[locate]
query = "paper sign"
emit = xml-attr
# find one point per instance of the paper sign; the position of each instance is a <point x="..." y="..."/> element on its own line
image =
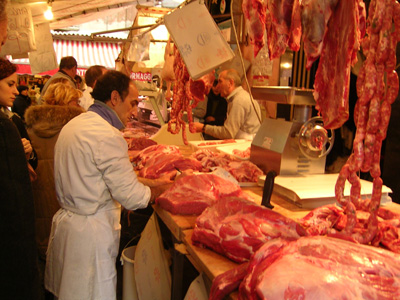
<point x="152" y="274"/>
<point x="44" y="58"/>
<point x="20" y="33"/>
<point x="198" y="38"/>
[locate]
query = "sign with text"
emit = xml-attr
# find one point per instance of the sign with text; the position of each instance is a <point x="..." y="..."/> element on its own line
<point x="44" y="58"/>
<point x="20" y="32"/>
<point x="198" y="38"/>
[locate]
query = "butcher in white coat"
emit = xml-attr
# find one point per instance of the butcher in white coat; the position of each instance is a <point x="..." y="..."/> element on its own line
<point x="93" y="177"/>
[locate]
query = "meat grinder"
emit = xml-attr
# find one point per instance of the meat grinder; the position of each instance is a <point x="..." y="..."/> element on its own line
<point x="297" y="146"/>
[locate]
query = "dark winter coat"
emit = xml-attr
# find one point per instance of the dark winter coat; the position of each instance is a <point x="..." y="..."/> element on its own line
<point x="19" y="275"/>
<point x="44" y="123"/>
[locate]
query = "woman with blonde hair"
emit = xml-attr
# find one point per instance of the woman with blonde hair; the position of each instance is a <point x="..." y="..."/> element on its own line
<point x="62" y="94"/>
<point x="44" y="123"/>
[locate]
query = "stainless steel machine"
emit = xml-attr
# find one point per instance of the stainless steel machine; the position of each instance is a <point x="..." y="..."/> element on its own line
<point x="297" y="146"/>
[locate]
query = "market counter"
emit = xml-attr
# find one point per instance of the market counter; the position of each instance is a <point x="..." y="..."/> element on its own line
<point x="205" y="260"/>
<point x="209" y="262"/>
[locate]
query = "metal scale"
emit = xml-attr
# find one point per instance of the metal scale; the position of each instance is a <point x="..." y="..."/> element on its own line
<point x="297" y="146"/>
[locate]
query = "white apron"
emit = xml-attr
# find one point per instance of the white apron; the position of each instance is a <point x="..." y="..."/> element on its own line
<point x="82" y="252"/>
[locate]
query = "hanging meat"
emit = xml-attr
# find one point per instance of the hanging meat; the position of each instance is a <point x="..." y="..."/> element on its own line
<point x="280" y="18"/>
<point x="187" y="93"/>
<point x="339" y="52"/>
<point x="315" y="15"/>
<point x="377" y="89"/>
<point x="167" y="72"/>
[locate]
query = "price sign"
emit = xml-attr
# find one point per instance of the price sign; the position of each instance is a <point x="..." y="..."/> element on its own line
<point x="20" y="38"/>
<point x="198" y="38"/>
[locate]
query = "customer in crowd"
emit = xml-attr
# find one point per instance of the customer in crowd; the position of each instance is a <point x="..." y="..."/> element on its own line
<point x="93" y="177"/>
<point x="216" y="107"/>
<point x="22" y="101"/>
<point x="19" y="274"/>
<point x="91" y="76"/>
<point x="243" y="115"/>
<point x="62" y="94"/>
<point x="25" y="139"/>
<point x="44" y="123"/>
<point x="67" y="69"/>
<point x="79" y="82"/>
<point x="39" y="84"/>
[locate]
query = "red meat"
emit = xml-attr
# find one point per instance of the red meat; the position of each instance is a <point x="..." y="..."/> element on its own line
<point x="236" y="228"/>
<point x="194" y="193"/>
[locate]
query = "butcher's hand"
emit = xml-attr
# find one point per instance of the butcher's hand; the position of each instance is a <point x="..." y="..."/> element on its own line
<point x="27" y="147"/>
<point x="198" y="126"/>
<point x="156" y="191"/>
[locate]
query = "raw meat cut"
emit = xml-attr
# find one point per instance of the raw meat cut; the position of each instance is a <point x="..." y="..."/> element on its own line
<point x="236" y="228"/>
<point x="139" y="143"/>
<point x="315" y="15"/>
<point x="151" y="153"/>
<point x="321" y="268"/>
<point x="243" y="171"/>
<point x="255" y="12"/>
<point x="331" y="220"/>
<point x="191" y="194"/>
<point x="163" y="162"/>
<point x="331" y="86"/>
<point x="315" y="268"/>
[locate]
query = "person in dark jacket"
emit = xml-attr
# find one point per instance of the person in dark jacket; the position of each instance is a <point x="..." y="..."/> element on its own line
<point x="19" y="273"/>
<point x="21" y="102"/>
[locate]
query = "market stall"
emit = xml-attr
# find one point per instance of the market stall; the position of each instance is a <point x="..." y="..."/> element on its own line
<point x="292" y="152"/>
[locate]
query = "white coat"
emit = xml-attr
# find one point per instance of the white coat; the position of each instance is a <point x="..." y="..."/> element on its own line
<point x="93" y="176"/>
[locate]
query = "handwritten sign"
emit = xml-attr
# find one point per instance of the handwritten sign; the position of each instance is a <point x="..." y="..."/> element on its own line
<point x="198" y="38"/>
<point x="44" y="58"/>
<point x="21" y="38"/>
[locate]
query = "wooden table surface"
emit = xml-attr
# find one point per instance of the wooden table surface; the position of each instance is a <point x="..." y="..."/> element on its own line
<point x="210" y="262"/>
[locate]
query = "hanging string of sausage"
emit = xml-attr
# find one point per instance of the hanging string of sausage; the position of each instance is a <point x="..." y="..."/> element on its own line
<point x="377" y="88"/>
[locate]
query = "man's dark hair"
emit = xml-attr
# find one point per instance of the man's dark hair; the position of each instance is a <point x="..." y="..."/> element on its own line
<point x="111" y="81"/>
<point x="68" y="62"/>
<point x="93" y="73"/>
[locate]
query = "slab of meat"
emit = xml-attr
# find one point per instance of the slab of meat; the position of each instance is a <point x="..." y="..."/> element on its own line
<point x="162" y="161"/>
<point x="331" y="220"/>
<point x="236" y="228"/>
<point x="243" y="171"/>
<point x="139" y="143"/>
<point x="315" y="15"/>
<point x="192" y="194"/>
<point x="255" y="12"/>
<point x="333" y="75"/>
<point x="317" y="268"/>
<point x="142" y="158"/>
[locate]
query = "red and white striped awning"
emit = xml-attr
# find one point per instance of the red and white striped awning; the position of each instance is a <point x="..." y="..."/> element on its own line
<point x="86" y="53"/>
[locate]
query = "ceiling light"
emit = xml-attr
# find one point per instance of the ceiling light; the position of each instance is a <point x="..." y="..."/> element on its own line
<point x="48" y="14"/>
